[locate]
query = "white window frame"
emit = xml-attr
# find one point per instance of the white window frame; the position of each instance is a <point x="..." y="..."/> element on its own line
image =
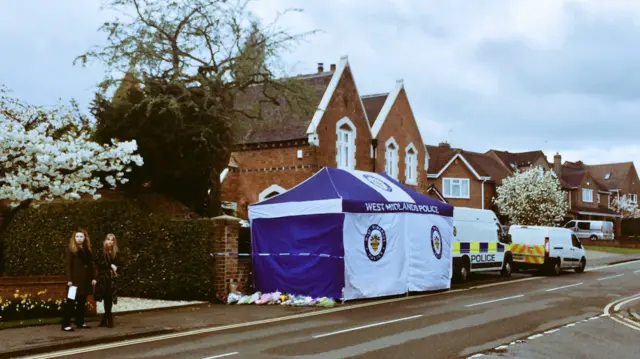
<point x="391" y="158"/>
<point x="348" y="160"/>
<point x="426" y="160"/>
<point x="598" y="197"/>
<point x="448" y="182"/>
<point x="273" y="188"/>
<point x="411" y="165"/>
<point x="633" y="198"/>
<point x="587" y="198"/>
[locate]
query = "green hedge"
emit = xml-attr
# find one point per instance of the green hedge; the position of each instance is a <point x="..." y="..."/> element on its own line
<point x="163" y="258"/>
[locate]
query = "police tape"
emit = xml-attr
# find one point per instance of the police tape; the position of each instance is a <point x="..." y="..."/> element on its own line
<point x="235" y="254"/>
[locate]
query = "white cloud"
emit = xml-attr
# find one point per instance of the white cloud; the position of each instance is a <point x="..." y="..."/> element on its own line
<point x="530" y="74"/>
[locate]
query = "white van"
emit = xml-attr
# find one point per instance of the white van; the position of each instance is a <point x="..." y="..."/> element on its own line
<point x="479" y="244"/>
<point x="548" y="248"/>
<point x="593" y="230"/>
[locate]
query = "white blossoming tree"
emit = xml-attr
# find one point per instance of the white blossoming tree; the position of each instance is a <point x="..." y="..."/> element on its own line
<point x="626" y="207"/>
<point x="532" y="198"/>
<point x="47" y="153"/>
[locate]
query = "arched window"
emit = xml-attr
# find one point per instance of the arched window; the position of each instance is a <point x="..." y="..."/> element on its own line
<point x="411" y="165"/>
<point x="346" y="144"/>
<point x="271" y="191"/>
<point x="391" y="158"/>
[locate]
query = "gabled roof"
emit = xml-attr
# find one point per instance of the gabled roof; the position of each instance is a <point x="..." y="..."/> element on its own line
<point x="518" y="159"/>
<point x="285" y="122"/>
<point x="573" y="174"/>
<point x="617" y="174"/>
<point x="481" y="165"/>
<point x="373" y="104"/>
<point x="386" y="108"/>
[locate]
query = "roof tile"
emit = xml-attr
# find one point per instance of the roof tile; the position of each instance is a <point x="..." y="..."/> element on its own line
<point x="281" y="122"/>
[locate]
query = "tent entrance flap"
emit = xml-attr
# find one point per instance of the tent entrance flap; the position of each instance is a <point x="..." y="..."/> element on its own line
<point x="299" y="255"/>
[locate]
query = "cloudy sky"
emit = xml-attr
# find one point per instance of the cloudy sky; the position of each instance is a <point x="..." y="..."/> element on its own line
<point x="557" y="75"/>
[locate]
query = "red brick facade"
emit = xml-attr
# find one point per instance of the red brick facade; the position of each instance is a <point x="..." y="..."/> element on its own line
<point x="260" y="167"/>
<point x="402" y="126"/>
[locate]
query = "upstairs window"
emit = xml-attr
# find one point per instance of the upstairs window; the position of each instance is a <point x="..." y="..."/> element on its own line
<point x="391" y="158"/>
<point x="455" y="187"/>
<point x="587" y="195"/>
<point x="346" y="144"/>
<point x="411" y="165"/>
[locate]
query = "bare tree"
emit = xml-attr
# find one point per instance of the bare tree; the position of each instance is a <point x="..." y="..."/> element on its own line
<point x="214" y="46"/>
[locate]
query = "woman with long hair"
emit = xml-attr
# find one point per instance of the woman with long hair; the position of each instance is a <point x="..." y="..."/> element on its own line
<point x="107" y="263"/>
<point x="79" y="275"/>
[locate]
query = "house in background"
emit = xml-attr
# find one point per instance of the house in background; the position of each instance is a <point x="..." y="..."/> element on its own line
<point x="620" y="179"/>
<point x="370" y="133"/>
<point x="592" y="188"/>
<point x="464" y="178"/>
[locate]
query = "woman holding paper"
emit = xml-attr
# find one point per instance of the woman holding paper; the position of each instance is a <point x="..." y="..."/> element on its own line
<point x="80" y="277"/>
<point x="107" y="264"/>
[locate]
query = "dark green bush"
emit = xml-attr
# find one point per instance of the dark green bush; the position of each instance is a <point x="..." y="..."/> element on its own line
<point x="163" y="258"/>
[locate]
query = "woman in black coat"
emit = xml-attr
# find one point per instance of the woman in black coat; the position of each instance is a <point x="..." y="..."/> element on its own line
<point x="107" y="264"/>
<point x="80" y="274"/>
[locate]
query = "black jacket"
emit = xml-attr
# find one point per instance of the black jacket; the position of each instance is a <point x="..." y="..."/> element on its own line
<point x="80" y="270"/>
<point x="107" y="280"/>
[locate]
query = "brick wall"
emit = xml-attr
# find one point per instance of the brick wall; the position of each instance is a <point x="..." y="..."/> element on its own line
<point x="260" y="168"/>
<point x="592" y="185"/>
<point x="225" y="267"/>
<point x="344" y="103"/>
<point x="56" y="287"/>
<point x="278" y="164"/>
<point x="459" y="170"/>
<point x="401" y="125"/>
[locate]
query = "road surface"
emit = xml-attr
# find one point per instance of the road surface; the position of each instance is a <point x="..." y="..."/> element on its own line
<point x="455" y="324"/>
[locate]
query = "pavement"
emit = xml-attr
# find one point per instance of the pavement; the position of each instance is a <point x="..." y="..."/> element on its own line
<point x="468" y="320"/>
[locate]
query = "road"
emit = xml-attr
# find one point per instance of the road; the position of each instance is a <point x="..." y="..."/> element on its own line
<point x="471" y="321"/>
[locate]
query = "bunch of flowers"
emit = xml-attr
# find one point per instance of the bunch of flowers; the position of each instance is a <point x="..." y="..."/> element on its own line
<point x="22" y="306"/>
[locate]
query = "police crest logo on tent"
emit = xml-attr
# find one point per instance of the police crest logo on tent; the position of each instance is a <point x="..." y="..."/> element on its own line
<point x="378" y="183"/>
<point x="436" y="242"/>
<point x="375" y="242"/>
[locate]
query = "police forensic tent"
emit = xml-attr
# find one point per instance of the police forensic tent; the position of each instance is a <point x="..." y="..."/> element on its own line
<point x="351" y="234"/>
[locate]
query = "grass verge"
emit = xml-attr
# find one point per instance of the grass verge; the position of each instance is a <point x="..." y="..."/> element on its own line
<point x="614" y="249"/>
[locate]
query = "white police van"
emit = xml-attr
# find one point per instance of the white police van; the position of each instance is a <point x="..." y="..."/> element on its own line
<point x="480" y="243"/>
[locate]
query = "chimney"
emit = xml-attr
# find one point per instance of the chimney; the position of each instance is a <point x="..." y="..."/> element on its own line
<point x="444" y="145"/>
<point x="333" y="67"/>
<point x="320" y="67"/>
<point x="557" y="164"/>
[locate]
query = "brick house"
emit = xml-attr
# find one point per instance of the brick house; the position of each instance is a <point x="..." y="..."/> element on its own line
<point x="397" y="147"/>
<point x="464" y="178"/>
<point x="620" y="179"/>
<point x="592" y="188"/>
<point x="372" y="133"/>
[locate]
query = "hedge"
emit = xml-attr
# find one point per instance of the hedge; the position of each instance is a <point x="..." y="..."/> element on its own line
<point x="163" y="258"/>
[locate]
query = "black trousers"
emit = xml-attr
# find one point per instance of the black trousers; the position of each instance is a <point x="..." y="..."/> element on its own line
<point x="108" y="303"/>
<point x="76" y="307"/>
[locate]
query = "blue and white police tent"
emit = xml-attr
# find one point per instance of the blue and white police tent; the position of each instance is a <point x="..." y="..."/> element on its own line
<point x="351" y="234"/>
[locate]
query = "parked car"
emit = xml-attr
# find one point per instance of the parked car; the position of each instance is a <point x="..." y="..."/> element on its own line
<point x="593" y="230"/>
<point x="479" y="244"/>
<point x="547" y="248"/>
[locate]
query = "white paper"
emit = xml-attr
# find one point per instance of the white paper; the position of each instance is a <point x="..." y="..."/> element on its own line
<point x="72" y="292"/>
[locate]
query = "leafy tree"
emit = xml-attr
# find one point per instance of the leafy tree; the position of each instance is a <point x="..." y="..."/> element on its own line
<point x="532" y="198"/>
<point x="191" y="60"/>
<point x="626" y="207"/>
<point x="46" y="153"/>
